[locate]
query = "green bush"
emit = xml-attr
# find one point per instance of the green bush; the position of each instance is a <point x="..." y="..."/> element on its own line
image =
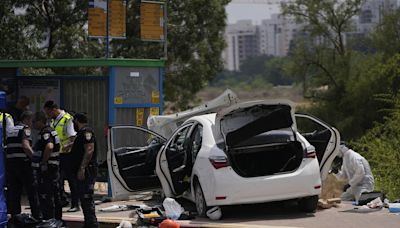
<point x="381" y="147"/>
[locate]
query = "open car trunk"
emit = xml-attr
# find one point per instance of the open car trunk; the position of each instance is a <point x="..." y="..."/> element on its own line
<point x="266" y="154"/>
<point x="253" y="142"/>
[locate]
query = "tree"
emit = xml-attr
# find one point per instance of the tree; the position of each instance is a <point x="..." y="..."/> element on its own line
<point x="195" y="43"/>
<point x="386" y="37"/>
<point x="13" y="43"/>
<point x="326" y="22"/>
<point x="56" y="28"/>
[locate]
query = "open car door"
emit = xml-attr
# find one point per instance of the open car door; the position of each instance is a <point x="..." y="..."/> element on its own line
<point x="131" y="159"/>
<point x="175" y="162"/>
<point x="323" y="137"/>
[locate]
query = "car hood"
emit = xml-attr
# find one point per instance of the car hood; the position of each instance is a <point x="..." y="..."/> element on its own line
<point x="245" y="120"/>
<point x="165" y="125"/>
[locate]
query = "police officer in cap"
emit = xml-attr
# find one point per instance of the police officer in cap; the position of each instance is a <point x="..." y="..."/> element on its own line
<point x="46" y="164"/>
<point x="18" y="162"/>
<point x="84" y="166"/>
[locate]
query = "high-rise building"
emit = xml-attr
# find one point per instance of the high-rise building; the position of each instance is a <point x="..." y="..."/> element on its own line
<point x="372" y="12"/>
<point x="246" y="40"/>
<point x="241" y="40"/>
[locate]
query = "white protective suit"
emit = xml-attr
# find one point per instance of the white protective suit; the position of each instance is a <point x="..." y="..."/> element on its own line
<point x="356" y="170"/>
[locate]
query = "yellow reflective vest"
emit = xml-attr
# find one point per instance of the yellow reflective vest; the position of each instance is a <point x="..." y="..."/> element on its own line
<point x="61" y="129"/>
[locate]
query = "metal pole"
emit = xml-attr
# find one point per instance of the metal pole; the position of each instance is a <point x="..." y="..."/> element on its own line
<point x="165" y="31"/>
<point x="107" y="36"/>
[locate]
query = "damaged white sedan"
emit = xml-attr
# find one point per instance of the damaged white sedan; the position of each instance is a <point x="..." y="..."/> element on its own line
<point x="246" y="153"/>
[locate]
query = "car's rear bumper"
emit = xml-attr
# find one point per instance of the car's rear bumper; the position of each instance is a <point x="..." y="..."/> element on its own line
<point x="230" y="188"/>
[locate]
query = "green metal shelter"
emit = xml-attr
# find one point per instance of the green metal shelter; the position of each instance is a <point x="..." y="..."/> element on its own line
<point x="123" y="91"/>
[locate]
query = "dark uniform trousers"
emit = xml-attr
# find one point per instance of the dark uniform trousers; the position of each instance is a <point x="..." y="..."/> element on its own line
<point x="86" y="190"/>
<point x="19" y="177"/>
<point x="49" y="193"/>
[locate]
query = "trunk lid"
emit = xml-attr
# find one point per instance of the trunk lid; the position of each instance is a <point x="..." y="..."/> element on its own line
<point x="245" y="120"/>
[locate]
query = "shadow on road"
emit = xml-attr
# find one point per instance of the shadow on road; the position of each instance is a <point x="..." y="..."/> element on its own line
<point x="255" y="212"/>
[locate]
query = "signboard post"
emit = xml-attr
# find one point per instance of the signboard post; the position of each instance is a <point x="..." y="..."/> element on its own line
<point x="107" y="19"/>
<point x="152" y="21"/>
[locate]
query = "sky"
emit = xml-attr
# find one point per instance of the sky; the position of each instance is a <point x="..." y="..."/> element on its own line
<point x="255" y="12"/>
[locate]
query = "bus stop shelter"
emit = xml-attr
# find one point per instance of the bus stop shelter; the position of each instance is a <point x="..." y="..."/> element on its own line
<point x="121" y="91"/>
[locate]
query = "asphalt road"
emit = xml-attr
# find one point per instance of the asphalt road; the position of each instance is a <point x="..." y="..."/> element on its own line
<point x="277" y="214"/>
<point x="286" y="214"/>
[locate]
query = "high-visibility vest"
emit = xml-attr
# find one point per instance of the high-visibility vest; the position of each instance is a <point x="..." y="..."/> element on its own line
<point x="5" y="127"/>
<point x="1" y="117"/>
<point x="61" y="129"/>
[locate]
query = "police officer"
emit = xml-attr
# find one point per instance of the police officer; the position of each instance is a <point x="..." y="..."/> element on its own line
<point x="62" y="123"/>
<point x="46" y="164"/>
<point x="18" y="162"/>
<point x="8" y="122"/>
<point x="84" y="166"/>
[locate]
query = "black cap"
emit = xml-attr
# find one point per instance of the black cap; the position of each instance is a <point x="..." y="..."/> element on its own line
<point x="81" y="117"/>
<point x="50" y="104"/>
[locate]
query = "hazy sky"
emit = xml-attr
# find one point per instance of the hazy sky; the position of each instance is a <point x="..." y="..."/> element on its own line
<point x="255" y="12"/>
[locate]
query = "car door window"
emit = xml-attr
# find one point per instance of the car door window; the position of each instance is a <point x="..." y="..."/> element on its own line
<point x="176" y="151"/>
<point x="197" y="139"/>
<point x="134" y="153"/>
<point x="315" y="133"/>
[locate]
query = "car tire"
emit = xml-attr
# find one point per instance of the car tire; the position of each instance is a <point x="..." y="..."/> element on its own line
<point x="308" y="204"/>
<point x="200" y="201"/>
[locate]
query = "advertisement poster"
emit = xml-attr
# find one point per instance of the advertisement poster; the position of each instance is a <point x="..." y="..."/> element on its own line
<point x="39" y="91"/>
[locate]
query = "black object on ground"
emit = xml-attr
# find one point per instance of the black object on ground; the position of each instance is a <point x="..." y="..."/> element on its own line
<point x="367" y="197"/>
<point x="150" y="216"/>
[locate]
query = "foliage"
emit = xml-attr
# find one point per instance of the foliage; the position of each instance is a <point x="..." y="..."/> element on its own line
<point x="256" y="72"/>
<point x="386" y="37"/>
<point x="58" y="29"/>
<point x="195" y="42"/>
<point x="380" y="146"/>
<point x="13" y="45"/>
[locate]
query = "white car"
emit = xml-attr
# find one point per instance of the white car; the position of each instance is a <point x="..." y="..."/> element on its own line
<point x="247" y="153"/>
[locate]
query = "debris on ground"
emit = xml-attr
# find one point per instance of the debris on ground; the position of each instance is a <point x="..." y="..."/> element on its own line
<point x="328" y="203"/>
<point x="115" y="208"/>
<point x="394" y="207"/>
<point x="173" y="209"/>
<point x="376" y="203"/>
<point x="150" y="216"/>
<point x="125" y="224"/>
<point x="168" y="223"/>
<point x="331" y="187"/>
<point x="214" y="213"/>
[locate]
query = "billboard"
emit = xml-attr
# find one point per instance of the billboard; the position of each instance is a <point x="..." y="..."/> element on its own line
<point x="152" y="21"/>
<point x="101" y="12"/>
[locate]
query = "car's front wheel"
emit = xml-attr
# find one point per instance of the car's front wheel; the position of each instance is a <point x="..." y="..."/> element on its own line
<point x="201" y="205"/>
<point x="308" y="204"/>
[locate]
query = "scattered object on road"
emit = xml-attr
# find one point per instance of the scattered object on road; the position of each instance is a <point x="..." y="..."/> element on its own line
<point x="125" y="224"/>
<point x="173" y="209"/>
<point x="376" y="203"/>
<point x="328" y="203"/>
<point x="114" y="208"/>
<point x="214" y="213"/>
<point x="51" y="223"/>
<point x="323" y="204"/>
<point x="150" y="216"/>
<point x="367" y="197"/>
<point x="168" y="223"/>
<point x="394" y="207"/>
<point x="23" y="220"/>
<point x="331" y="187"/>
<point x="334" y="200"/>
